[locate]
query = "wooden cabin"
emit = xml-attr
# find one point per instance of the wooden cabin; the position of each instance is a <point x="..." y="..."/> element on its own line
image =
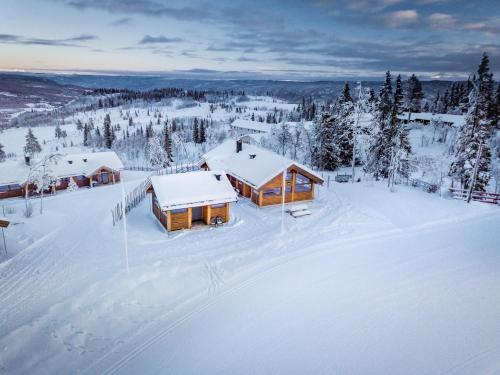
<point x="182" y="200"/>
<point x="86" y="170"/>
<point x="262" y="175"/>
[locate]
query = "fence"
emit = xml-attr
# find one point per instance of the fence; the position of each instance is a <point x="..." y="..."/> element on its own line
<point x="132" y="199"/>
<point x="479" y="196"/>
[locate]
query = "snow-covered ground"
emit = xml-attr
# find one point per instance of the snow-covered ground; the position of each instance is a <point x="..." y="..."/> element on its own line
<point x="372" y="282"/>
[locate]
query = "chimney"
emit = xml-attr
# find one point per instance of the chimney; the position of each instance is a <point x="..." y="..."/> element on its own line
<point x="84" y="160"/>
<point x="70" y="161"/>
<point x="217" y="176"/>
<point x="252" y="156"/>
<point x="239" y="145"/>
<point x="27" y="159"/>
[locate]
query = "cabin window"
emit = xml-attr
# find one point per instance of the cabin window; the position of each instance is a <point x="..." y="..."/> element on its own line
<point x="301" y="179"/>
<point x="303" y="188"/>
<point x="80" y="178"/>
<point x="289" y="176"/>
<point x="288" y="189"/>
<point x="179" y="211"/>
<point x="4" y="188"/>
<point x="219" y="205"/>
<point x="272" y="192"/>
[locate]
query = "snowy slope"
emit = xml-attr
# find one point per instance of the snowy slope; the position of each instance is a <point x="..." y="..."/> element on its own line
<point x="371" y="282"/>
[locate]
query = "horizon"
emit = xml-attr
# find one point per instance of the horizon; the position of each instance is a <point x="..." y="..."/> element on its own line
<point x="310" y="41"/>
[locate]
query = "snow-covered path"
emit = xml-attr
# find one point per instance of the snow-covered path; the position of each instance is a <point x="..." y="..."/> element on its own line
<point x="370" y="306"/>
<point x="373" y="282"/>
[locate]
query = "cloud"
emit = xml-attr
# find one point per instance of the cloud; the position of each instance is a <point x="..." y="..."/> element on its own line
<point x="488" y="25"/>
<point x="122" y="21"/>
<point x="401" y="18"/>
<point x="67" y="42"/>
<point x="148" y="39"/>
<point x="442" y="21"/>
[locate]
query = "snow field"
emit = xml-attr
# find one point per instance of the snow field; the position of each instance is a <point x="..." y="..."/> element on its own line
<point x="368" y="273"/>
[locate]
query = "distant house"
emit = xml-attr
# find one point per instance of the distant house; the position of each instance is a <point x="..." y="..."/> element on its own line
<point x="88" y="169"/>
<point x="183" y="199"/>
<point x="241" y="127"/>
<point x="258" y="174"/>
<point x="425" y="118"/>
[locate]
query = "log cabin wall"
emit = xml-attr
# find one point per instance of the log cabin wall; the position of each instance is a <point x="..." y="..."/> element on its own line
<point x="271" y="192"/>
<point x="160" y="215"/>
<point x="180" y="220"/>
<point x="10" y="191"/>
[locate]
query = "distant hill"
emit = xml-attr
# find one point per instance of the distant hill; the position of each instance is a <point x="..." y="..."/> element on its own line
<point x="20" y="92"/>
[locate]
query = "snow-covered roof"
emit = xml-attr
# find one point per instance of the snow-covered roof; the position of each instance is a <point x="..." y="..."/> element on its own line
<point x="192" y="189"/>
<point x="254" y="170"/>
<point x="456" y="120"/>
<point x="251" y="125"/>
<point x="87" y="163"/>
<point x="17" y="172"/>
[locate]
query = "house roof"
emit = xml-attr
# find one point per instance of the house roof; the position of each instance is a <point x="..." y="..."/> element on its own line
<point x="251" y="125"/>
<point x="254" y="171"/>
<point x="456" y="120"/>
<point x="192" y="189"/>
<point x="17" y="172"/>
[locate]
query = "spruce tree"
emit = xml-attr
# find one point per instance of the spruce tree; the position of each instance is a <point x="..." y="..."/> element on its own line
<point x="58" y="132"/>
<point x="378" y="156"/>
<point x="399" y="146"/>
<point x="202" y="133"/>
<point x="326" y="154"/>
<point x="86" y="135"/>
<point x="414" y="96"/>
<point x="196" y="134"/>
<point x="343" y="112"/>
<point x="2" y="153"/>
<point x="108" y="132"/>
<point x="32" y="146"/>
<point x="167" y="143"/>
<point x="475" y="133"/>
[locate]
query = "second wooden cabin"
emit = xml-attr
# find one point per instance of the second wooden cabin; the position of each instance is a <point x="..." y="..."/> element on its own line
<point x="182" y="200"/>
<point x="262" y="175"/>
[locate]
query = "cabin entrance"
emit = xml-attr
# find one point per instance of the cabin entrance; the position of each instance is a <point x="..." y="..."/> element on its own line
<point x="104" y="178"/>
<point x="197" y="214"/>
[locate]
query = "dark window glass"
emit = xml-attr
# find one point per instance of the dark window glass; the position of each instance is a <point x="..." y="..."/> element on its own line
<point x="179" y="210"/>
<point x="272" y="192"/>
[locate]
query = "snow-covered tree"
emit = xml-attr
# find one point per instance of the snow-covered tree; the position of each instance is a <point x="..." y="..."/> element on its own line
<point x="362" y="108"/>
<point x="283" y="136"/>
<point x="108" y="131"/>
<point x="343" y="113"/>
<point x="86" y="135"/>
<point x="167" y="143"/>
<point x="32" y="146"/>
<point x="72" y="185"/>
<point x="326" y="153"/>
<point x="378" y="155"/>
<point x="58" y="132"/>
<point x="202" y="133"/>
<point x="158" y="158"/>
<point x="472" y="150"/>
<point x="413" y="96"/>
<point x="196" y="131"/>
<point x="2" y="153"/>
<point x="42" y="176"/>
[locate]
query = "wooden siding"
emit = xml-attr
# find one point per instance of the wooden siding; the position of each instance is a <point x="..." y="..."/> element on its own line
<point x="180" y="220"/>
<point x="12" y="193"/>
<point x="291" y="196"/>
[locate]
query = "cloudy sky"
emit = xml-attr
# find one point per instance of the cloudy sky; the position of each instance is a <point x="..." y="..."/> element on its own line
<point x="291" y="39"/>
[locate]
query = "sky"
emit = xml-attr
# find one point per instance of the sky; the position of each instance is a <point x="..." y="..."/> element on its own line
<point x="288" y="39"/>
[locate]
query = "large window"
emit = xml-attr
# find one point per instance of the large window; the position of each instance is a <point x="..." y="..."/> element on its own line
<point x="4" y="188"/>
<point x="289" y="176"/>
<point x="302" y="183"/>
<point x="179" y="211"/>
<point x="272" y="192"/>
<point x="219" y="205"/>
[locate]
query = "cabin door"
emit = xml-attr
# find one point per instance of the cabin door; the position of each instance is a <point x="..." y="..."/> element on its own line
<point x="104" y="177"/>
<point x="197" y="213"/>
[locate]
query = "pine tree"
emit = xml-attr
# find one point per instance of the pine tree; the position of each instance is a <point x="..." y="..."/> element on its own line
<point x="399" y="146"/>
<point x="86" y="135"/>
<point x="414" y="96"/>
<point x="32" y="146"/>
<point x="343" y="112"/>
<point x="79" y="125"/>
<point x="378" y="156"/>
<point x="167" y="143"/>
<point x="108" y="132"/>
<point x="196" y="134"/>
<point x="475" y="133"/>
<point x="326" y="153"/>
<point x="58" y="132"/>
<point x="496" y="120"/>
<point x="2" y="153"/>
<point x="174" y="126"/>
<point x="202" y="133"/>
